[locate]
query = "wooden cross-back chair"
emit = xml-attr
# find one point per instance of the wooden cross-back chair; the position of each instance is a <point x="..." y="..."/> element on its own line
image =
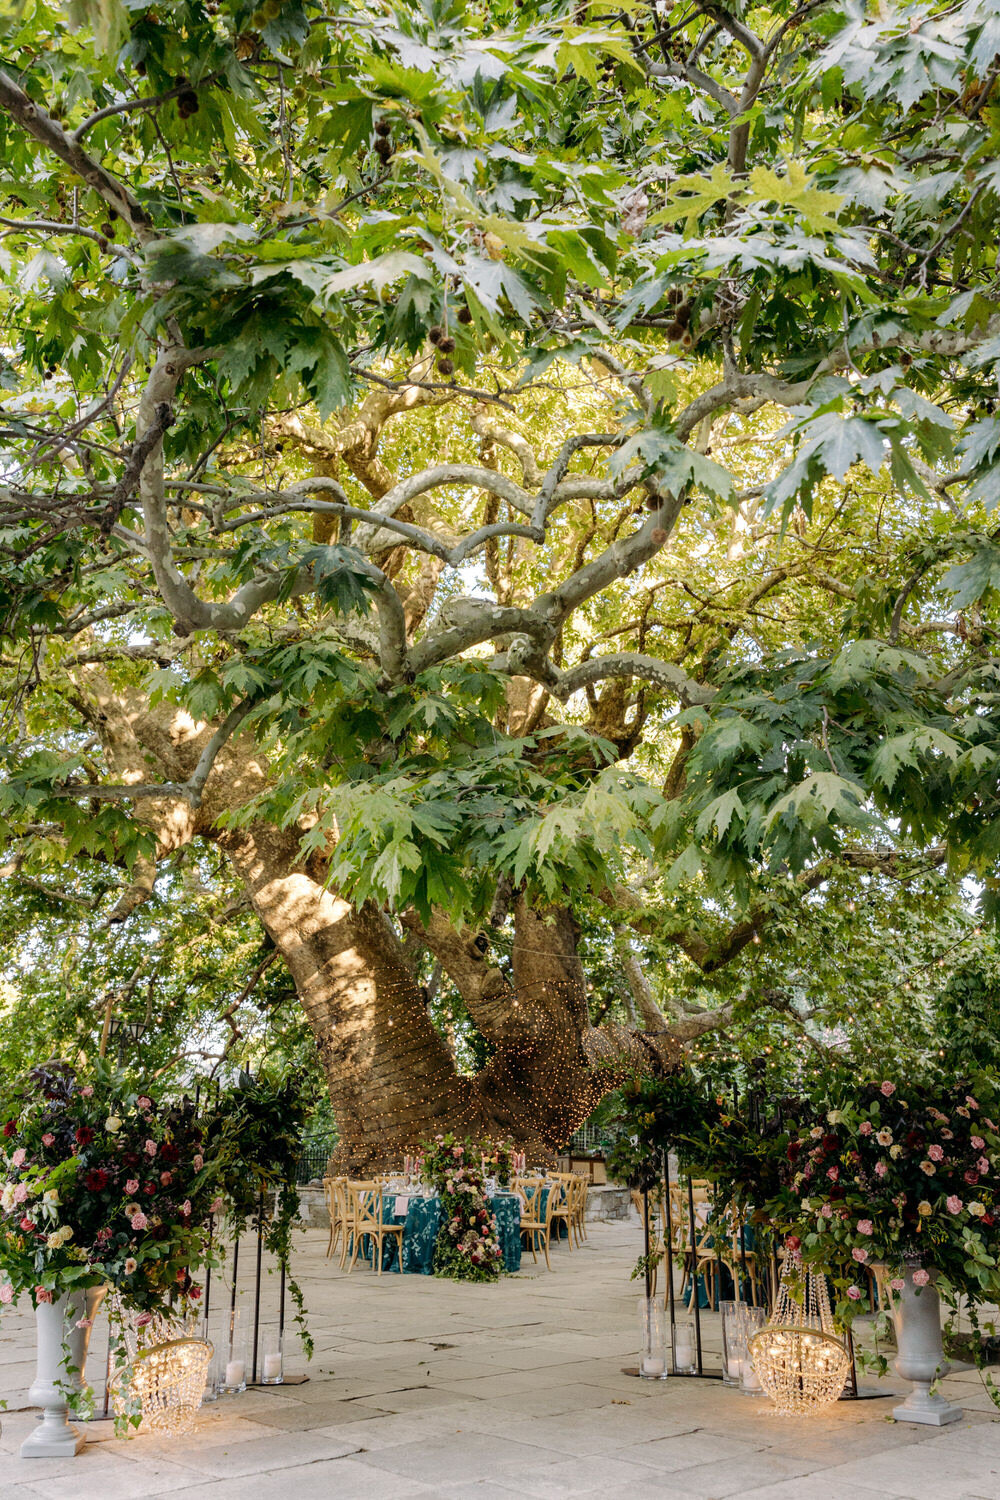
<point x="366" y="1210"/>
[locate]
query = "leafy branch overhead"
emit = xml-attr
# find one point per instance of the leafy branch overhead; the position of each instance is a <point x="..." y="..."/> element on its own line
<point x="552" y="440"/>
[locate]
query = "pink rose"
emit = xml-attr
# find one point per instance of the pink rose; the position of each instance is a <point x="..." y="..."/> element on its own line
<point x="143" y="1319"/>
<point x="833" y="1173"/>
<point x="983" y="1164"/>
<point x="827" y="1210"/>
<point x="988" y="1123"/>
<point x="26" y="1224"/>
<point x="215" y="1205"/>
<point x="186" y="1206"/>
<point x="921" y="1277"/>
<point x="85" y="1323"/>
<point x="166" y="1178"/>
<point x="865" y="1128"/>
<point x="971" y="1177"/>
<point x="880" y="1169"/>
<point x="139" y="1220"/>
<point x="20" y="1192"/>
<point x="978" y="1143"/>
<point x="87" y="1090"/>
<point x="42" y="1294"/>
<point x="144" y="1101"/>
<point x="6" y="1293"/>
<point x="18" y="1156"/>
<point x="854" y="1292"/>
<point x="150" y="1148"/>
<point x="936" y="1153"/>
<point x="888" y="1089"/>
<point x="198" y="1163"/>
<point x="897" y="1283"/>
<point x="132" y="1186"/>
<point x="972" y="1103"/>
<point x="865" y="1226"/>
<point x="48" y="1139"/>
<point x="953" y="1204"/>
<point x="859" y="1254"/>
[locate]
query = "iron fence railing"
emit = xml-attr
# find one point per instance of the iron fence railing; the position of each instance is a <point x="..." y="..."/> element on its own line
<point x="594" y="1137"/>
<point x="312" y="1162"/>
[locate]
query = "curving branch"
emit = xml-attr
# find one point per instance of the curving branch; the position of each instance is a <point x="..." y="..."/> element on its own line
<point x="37" y="123"/>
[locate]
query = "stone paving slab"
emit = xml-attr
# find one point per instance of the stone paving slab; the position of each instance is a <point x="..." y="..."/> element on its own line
<point x="424" y="1388"/>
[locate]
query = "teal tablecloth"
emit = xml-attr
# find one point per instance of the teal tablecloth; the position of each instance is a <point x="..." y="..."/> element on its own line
<point x="422" y="1221"/>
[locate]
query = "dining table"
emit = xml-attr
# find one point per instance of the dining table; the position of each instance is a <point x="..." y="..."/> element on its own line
<point x="421" y="1219"/>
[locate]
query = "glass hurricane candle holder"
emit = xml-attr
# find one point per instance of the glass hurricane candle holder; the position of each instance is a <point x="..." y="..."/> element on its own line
<point x="272" y="1365"/>
<point x="685" y="1349"/>
<point x="754" y="1319"/>
<point x="235" y="1359"/>
<point x="652" y="1332"/>
<point x="734" y="1349"/>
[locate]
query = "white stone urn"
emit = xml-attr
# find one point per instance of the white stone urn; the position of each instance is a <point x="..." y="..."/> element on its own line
<point x="920" y="1358"/>
<point x="56" y="1372"/>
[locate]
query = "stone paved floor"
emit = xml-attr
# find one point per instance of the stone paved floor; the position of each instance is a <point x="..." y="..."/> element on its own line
<point x="424" y="1388"/>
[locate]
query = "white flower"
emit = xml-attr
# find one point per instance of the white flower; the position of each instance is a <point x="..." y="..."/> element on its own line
<point x="113" y="1124"/>
<point x="836" y="1116"/>
<point x="7" y="1197"/>
<point x="977" y="1210"/>
<point x="895" y="1152"/>
<point x="51" y="1197"/>
<point x="884" y="1136"/>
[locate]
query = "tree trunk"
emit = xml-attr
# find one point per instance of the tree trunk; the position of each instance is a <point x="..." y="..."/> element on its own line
<point x="391" y="1076"/>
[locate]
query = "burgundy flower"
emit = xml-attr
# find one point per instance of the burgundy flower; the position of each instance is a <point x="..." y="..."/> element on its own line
<point x="131" y="1158"/>
<point x="84" y="1135"/>
<point x="149" y="1187"/>
<point x="169" y="1153"/>
<point x="794" y="1147"/>
<point x="10" y="1128"/>
<point x="96" y="1179"/>
<point x="830" y="1143"/>
<point x="972" y="1177"/>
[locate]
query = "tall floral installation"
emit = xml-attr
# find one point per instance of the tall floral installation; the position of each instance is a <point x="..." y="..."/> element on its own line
<point x="106" y="1187"/>
<point x="468" y="1246"/>
<point x="890" y="1189"/>
<point x="103" y="1188"/>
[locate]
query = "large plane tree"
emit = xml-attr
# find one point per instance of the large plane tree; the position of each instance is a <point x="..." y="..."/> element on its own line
<point x="465" y="462"/>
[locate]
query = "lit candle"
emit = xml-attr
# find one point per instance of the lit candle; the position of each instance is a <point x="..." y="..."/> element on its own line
<point x="234" y="1372"/>
<point x="683" y="1349"/>
<point x="750" y="1379"/>
<point x="272" y="1366"/>
<point x="653" y="1365"/>
<point x="736" y="1368"/>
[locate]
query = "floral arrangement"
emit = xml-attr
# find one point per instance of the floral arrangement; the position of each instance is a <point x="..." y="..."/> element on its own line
<point x="468" y="1246"/>
<point x="899" y="1175"/>
<point x="497" y="1158"/>
<point x="99" y="1185"/>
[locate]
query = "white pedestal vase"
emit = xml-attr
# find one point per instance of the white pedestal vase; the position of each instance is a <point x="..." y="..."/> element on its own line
<point x="55" y="1326"/>
<point x="920" y="1359"/>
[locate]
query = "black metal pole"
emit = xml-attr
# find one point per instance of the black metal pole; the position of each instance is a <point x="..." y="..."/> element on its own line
<point x="854" y="1368"/>
<point x="232" y="1295"/>
<point x="645" y="1231"/>
<point x="256" y="1290"/>
<point x="694" y="1274"/>
<point x="669" y="1254"/>
<point x="743" y="1263"/>
<point x="208" y="1274"/>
